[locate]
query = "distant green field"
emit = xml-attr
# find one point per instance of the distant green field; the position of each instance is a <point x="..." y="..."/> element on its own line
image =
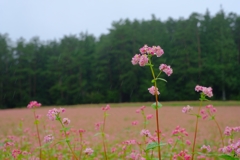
<point x="171" y="103"/>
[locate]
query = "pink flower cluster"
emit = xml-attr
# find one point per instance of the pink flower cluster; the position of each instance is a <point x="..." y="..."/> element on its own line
<point x="182" y="155"/>
<point x="145" y="132"/>
<point x="53" y="113"/>
<point x="206" y="90"/>
<point x="210" y="110"/>
<point x="66" y="121"/>
<point x="229" y="130"/>
<point x="49" y="138"/>
<point x="106" y="108"/>
<point x="233" y="147"/>
<point x="187" y="109"/>
<point x="141" y="109"/>
<point x="16" y="152"/>
<point x="165" y="68"/>
<point x="88" y="151"/>
<point x="179" y="131"/>
<point x="153" y="90"/>
<point x="34" y="104"/>
<point x="205" y="148"/>
<point x="142" y="59"/>
<point x="135" y="156"/>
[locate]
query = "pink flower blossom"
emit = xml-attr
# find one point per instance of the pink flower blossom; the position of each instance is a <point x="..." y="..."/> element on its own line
<point x="134" y="123"/>
<point x="34" y="104"/>
<point x="136" y="59"/>
<point x="188" y="142"/>
<point x="53" y="113"/>
<point x="143" y="60"/>
<point x="88" y="151"/>
<point x="81" y="131"/>
<point x="205" y="149"/>
<point x="187" y="109"/>
<point x="205" y="90"/>
<point x="167" y="69"/>
<point x="143" y="50"/>
<point x="106" y="108"/>
<point x="150" y="116"/>
<point x="15" y="153"/>
<point x="49" y="138"/>
<point x="153" y="90"/>
<point x="66" y="121"/>
<point x="159" y="51"/>
<point x="97" y="125"/>
<point x="145" y="132"/>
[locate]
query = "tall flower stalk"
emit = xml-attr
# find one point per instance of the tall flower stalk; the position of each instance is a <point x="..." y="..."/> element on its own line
<point x="205" y="91"/>
<point x="33" y="105"/>
<point x="144" y="59"/>
<point x="54" y="114"/>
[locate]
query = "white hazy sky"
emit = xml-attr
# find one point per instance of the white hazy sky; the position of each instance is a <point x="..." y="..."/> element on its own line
<point x="52" y="19"/>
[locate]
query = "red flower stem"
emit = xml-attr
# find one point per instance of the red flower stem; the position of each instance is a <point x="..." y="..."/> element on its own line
<point x="157" y="121"/>
<point x="196" y="129"/>
<point x="103" y="136"/>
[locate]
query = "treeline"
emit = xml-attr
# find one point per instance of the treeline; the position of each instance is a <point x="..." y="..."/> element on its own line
<point x="202" y="49"/>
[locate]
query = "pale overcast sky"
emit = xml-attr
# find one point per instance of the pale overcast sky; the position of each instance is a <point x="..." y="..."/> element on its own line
<point x="52" y="19"/>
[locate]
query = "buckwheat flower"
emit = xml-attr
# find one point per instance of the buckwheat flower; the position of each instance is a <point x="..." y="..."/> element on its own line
<point x="187" y="109"/>
<point x="165" y="68"/>
<point x="170" y="141"/>
<point x="138" y="111"/>
<point x="48" y="139"/>
<point x="66" y="121"/>
<point x="145" y="132"/>
<point x="153" y="90"/>
<point x="188" y="142"/>
<point x="15" y="153"/>
<point x="228" y="131"/>
<point x="159" y="51"/>
<point x="198" y="88"/>
<point x="81" y="131"/>
<point x="52" y="114"/>
<point x="142" y="108"/>
<point x="207" y="91"/>
<point x="88" y="151"/>
<point x="34" y="104"/>
<point x="106" y="108"/>
<point x="205" y="149"/>
<point x="143" y="50"/>
<point x="134" y="123"/>
<point x="97" y="125"/>
<point x="150" y="116"/>
<point x="136" y="59"/>
<point x="143" y="60"/>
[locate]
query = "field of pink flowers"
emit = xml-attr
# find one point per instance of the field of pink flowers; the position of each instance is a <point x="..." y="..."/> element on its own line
<point x="123" y="128"/>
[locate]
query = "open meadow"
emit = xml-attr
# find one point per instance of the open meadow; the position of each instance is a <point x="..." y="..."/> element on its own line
<point x="122" y="124"/>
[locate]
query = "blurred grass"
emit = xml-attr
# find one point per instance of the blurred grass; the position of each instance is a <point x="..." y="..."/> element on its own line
<point x="170" y="104"/>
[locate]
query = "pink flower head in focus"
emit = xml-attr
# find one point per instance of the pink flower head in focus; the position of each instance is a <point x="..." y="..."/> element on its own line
<point x="143" y="60"/>
<point x="167" y="69"/>
<point x="143" y="50"/>
<point x="34" y="104"/>
<point x="153" y="90"/>
<point x="136" y="59"/>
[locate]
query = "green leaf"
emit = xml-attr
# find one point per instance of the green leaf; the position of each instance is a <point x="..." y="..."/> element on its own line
<point x="154" y="106"/>
<point x="154" y="145"/>
<point x="161" y="79"/>
<point x="65" y="129"/>
<point x="227" y="157"/>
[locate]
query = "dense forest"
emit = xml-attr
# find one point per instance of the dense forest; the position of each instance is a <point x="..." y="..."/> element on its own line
<point x="203" y="49"/>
